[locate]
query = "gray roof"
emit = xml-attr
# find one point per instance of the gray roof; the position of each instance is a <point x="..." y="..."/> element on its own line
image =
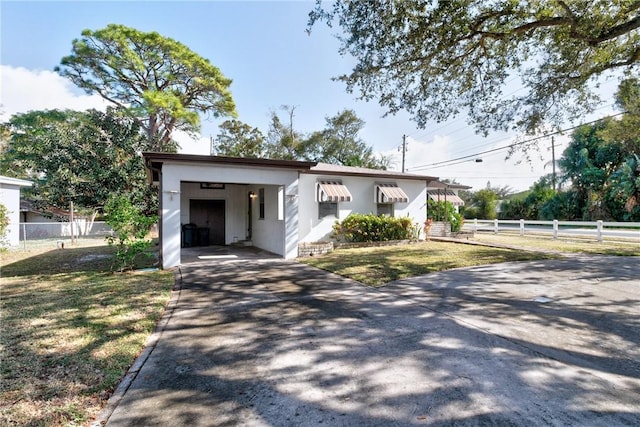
<point x="155" y="160"/>
<point x="329" y="169"/>
<point x="440" y="184"/>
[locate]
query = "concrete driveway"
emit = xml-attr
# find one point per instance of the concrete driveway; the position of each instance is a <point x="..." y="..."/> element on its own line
<point x="276" y="343"/>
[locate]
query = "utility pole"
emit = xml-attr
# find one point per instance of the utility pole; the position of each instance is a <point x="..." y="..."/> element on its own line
<point x="404" y="150"/>
<point x="553" y="161"/>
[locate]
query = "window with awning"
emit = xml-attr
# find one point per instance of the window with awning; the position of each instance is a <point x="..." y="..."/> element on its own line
<point x="445" y="195"/>
<point x="390" y="193"/>
<point x="333" y="191"/>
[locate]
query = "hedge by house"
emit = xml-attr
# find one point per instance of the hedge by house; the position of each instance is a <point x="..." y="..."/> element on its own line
<point x="373" y="228"/>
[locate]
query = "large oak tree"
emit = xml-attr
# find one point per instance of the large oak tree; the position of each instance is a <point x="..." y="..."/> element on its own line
<point x="437" y="58"/>
<point x="160" y="82"/>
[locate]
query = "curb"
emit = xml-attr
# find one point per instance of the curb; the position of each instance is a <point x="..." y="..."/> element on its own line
<point x="149" y="346"/>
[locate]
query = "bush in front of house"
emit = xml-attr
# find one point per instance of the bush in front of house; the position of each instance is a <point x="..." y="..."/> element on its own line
<point x="444" y="211"/>
<point x="373" y="228"/>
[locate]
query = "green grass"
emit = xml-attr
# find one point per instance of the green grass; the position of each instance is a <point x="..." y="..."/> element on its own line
<point x="377" y="266"/>
<point x="70" y="330"/>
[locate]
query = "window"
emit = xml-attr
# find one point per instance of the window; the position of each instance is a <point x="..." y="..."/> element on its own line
<point x="385" y="209"/>
<point x="261" y="202"/>
<point x="326" y="209"/>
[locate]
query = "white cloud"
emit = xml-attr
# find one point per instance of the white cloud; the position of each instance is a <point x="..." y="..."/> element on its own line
<point x="189" y="145"/>
<point x="23" y="90"/>
<point x="519" y="174"/>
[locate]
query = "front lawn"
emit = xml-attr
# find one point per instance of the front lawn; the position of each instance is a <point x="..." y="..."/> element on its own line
<point x="380" y="265"/>
<point x="70" y="330"/>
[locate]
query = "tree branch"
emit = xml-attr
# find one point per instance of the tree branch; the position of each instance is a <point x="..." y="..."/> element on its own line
<point x="617" y="31"/>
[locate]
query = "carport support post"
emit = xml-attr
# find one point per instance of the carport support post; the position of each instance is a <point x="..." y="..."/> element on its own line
<point x="599" y="233"/>
<point x="555" y="228"/>
<point x="521" y="227"/>
<point x="495" y="226"/>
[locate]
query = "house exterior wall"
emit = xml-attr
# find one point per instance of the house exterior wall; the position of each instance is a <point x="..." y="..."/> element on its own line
<point x="268" y="232"/>
<point x="177" y="189"/>
<point x="362" y="189"/>
<point x="10" y="198"/>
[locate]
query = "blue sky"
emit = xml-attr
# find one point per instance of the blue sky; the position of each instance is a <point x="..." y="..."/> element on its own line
<point x="264" y="48"/>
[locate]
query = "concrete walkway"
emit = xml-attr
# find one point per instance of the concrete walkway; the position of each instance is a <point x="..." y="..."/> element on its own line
<point x="277" y="343"/>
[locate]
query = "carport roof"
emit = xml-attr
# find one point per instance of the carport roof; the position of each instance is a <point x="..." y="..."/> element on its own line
<point x="154" y="163"/>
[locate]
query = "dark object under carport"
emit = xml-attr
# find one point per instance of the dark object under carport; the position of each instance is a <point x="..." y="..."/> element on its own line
<point x="189" y="235"/>
<point x="202" y="236"/>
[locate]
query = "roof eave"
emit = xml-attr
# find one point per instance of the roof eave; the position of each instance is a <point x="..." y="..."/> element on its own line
<point x="159" y="158"/>
<point x="373" y="175"/>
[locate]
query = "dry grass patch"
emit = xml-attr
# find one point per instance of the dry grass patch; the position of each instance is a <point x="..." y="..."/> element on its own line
<point x="70" y="330"/>
<point x="377" y="266"/>
<point x="571" y="245"/>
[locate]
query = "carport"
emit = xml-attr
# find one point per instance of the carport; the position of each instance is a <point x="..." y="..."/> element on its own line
<point x="213" y="200"/>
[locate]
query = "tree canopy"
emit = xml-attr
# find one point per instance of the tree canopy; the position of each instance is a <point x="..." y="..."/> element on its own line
<point x="80" y="157"/>
<point x="238" y="139"/>
<point x="339" y="143"/>
<point x="436" y="58"/>
<point x="283" y="141"/>
<point x="601" y="167"/>
<point x="160" y="82"/>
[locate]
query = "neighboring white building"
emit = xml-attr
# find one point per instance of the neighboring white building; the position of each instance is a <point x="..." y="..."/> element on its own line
<point x="273" y="204"/>
<point x="10" y="198"/>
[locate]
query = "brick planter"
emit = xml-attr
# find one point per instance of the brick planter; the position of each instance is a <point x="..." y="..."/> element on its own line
<point x="320" y="248"/>
<point x="315" y="248"/>
<point x="440" y="229"/>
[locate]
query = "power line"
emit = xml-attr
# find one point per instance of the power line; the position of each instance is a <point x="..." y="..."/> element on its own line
<point x="486" y="142"/>
<point x="461" y="117"/>
<point x="467" y="157"/>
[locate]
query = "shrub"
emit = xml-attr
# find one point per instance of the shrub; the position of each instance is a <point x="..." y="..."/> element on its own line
<point x="4" y="225"/>
<point x="131" y="227"/>
<point x="373" y="228"/>
<point x="444" y="211"/>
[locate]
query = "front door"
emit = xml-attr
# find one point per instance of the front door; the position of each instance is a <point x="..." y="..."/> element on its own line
<point x="208" y="216"/>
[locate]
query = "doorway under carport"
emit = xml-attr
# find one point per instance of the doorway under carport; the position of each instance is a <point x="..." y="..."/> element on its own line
<point x="209" y="218"/>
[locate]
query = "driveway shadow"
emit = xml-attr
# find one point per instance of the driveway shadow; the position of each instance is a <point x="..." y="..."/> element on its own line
<point x="277" y="343"/>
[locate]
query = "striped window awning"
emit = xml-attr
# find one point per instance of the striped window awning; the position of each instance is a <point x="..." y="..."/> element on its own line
<point x="333" y="191"/>
<point x="445" y="195"/>
<point x="390" y="193"/>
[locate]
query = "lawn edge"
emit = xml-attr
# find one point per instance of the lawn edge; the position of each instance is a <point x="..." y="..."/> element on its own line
<point x="103" y="416"/>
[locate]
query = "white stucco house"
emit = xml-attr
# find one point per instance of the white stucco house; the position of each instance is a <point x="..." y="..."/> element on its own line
<point x="273" y="204"/>
<point x="10" y="198"/>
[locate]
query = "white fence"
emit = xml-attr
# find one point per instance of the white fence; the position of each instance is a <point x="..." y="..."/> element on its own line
<point x="34" y="232"/>
<point x="599" y="230"/>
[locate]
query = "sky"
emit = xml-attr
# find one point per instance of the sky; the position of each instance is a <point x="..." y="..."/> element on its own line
<point x="264" y="48"/>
